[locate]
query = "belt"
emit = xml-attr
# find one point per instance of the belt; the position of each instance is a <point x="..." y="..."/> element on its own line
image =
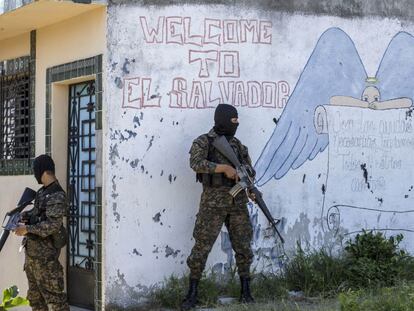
<point x="216" y="180"/>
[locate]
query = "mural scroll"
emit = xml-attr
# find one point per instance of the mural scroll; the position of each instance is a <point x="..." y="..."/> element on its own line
<point x="367" y="126"/>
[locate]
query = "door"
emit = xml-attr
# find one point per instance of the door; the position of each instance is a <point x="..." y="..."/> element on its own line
<point x="81" y="193"/>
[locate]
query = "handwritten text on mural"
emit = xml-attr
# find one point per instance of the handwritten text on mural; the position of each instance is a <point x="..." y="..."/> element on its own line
<point x="219" y="71"/>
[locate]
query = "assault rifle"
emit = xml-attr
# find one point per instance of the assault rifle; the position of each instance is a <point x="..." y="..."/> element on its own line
<point x="12" y="218"/>
<point x="246" y="180"/>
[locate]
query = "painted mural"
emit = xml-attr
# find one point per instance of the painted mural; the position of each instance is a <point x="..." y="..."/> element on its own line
<point x="325" y="111"/>
<point x="367" y="161"/>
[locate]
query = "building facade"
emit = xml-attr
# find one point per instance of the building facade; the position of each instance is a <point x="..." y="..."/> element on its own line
<point x="116" y="92"/>
<point x="51" y="94"/>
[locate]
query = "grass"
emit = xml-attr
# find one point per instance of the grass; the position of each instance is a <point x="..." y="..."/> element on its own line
<point x="263" y="287"/>
<point x="372" y="272"/>
<point x="397" y="298"/>
<point x="285" y="305"/>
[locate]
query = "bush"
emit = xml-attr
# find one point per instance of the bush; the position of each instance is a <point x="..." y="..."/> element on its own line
<point x="374" y="260"/>
<point x="368" y="260"/>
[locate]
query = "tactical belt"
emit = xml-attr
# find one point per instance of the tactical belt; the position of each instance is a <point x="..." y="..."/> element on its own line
<point x="215" y="180"/>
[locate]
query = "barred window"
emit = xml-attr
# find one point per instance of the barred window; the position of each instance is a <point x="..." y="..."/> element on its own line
<point x="14" y="110"/>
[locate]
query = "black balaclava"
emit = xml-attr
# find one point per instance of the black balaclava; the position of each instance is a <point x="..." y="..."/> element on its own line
<point x="41" y="164"/>
<point x="222" y="118"/>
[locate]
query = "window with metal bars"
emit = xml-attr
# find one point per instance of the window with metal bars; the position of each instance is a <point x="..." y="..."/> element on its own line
<point x="14" y="115"/>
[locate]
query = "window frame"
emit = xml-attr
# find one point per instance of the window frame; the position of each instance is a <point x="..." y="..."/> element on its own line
<point x="15" y="110"/>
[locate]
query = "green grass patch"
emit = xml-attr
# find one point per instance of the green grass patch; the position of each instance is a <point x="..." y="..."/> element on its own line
<point x="399" y="298"/>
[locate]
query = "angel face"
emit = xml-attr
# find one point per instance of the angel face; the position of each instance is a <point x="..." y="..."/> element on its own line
<point x="371" y="94"/>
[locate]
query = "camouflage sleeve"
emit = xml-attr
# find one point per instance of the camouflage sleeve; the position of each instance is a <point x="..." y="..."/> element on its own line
<point x="199" y="155"/>
<point x="55" y="210"/>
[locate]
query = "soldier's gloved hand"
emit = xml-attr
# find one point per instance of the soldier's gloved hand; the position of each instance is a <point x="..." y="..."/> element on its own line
<point x="251" y="196"/>
<point x="230" y="172"/>
<point x="24" y="218"/>
<point x="20" y="230"/>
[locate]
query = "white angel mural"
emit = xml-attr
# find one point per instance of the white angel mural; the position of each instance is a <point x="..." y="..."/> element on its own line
<point x="334" y="76"/>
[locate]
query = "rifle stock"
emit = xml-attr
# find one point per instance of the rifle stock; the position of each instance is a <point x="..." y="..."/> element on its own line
<point x="12" y="217"/>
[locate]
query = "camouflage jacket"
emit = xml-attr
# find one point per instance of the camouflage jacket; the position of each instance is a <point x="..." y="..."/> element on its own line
<point x="46" y="218"/>
<point x="199" y="156"/>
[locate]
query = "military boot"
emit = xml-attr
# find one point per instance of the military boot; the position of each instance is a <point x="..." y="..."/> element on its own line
<point x="190" y="300"/>
<point x="245" y="295"/>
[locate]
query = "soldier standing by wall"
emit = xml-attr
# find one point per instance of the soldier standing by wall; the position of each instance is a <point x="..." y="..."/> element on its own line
<point x="44" y="237"/>
<point x="217" y="206"/>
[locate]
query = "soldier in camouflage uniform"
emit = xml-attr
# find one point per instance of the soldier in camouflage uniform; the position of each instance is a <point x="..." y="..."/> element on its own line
<point x="217" y="206"/>
<point x="42" y="229"/>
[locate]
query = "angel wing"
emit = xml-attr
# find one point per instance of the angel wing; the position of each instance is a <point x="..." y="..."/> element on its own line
<point x="334" y="68"/>
<point x="395" y="73"/>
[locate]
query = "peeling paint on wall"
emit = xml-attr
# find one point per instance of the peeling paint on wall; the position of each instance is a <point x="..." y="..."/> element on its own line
<point x="125" y="295"/>
<point x="113" y="153"/>
<point x="171" y="252"/>
<point x="134" y="251"/>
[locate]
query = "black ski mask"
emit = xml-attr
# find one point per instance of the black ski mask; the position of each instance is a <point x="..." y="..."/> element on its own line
<point x="42" y="164"/>
<point x="222" y="118"/>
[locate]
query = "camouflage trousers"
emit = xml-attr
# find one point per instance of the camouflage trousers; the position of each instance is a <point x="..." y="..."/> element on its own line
<point x="216" y="208"/>
<point x="46" y="285"/>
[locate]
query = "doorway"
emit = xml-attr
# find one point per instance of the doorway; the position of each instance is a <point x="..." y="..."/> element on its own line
<point x="81" y="194"/>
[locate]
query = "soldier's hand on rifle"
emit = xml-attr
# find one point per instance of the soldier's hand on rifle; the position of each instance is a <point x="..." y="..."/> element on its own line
<point x="228" y="170"/>
<point x="24" y="218"/>
<point x="20" y="230"/>
<point x="252" y="196"/>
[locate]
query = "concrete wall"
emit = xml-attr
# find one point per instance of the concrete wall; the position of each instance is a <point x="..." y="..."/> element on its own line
<point x="77" y="38"/>
<point x="328" y="171"/>
<point x="15" y="47"/>
<point x="11" y="261"/>
<point x="354" y="8"/>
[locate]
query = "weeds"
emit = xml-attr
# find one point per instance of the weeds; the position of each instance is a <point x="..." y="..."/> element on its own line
<point x="264" y="288"/>
<point x="369" y="261"/>
<point x="315" y="272"/>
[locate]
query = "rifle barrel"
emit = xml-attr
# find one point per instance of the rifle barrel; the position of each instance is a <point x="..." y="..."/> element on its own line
<point x="3" y="238"/>
<point x="262" y="205"/>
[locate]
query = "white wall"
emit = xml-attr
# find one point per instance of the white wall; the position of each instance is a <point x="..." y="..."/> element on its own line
<point x="152" y="197"/>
